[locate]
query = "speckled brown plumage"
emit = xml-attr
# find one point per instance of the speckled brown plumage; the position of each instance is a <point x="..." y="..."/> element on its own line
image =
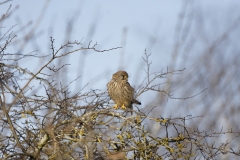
<point x="120" y="91"/>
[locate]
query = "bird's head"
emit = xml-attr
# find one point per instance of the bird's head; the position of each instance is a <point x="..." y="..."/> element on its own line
<point x="120" y="76"/>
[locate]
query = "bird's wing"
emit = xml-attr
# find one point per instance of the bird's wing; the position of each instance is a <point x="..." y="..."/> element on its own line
<point x="132" y="93"/>
<point x="130" y="87"/>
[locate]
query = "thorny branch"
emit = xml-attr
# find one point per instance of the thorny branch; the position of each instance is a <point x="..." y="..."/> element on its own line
<point x="42" y="119"/>
<point x="84" y="123"/>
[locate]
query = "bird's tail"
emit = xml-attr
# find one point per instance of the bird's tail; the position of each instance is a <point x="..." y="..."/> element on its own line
<point x="136" y="101"/>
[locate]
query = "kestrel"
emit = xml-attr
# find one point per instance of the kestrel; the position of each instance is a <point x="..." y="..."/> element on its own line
<point x="120" y="91"/>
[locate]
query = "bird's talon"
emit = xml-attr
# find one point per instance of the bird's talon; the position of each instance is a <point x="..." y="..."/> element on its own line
<point x="115" y="106"/>
<point x="123" y="107"/>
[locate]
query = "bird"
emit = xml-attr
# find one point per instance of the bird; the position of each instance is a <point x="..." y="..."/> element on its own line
<point x="120" y="91"/>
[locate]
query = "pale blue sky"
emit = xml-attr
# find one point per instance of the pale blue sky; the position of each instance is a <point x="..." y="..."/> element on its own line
<point x="150" y="25"/>
<point x="141" y="19"/>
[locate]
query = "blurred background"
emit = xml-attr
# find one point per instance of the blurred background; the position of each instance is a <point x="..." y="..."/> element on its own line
<point x="200" y="36"/>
